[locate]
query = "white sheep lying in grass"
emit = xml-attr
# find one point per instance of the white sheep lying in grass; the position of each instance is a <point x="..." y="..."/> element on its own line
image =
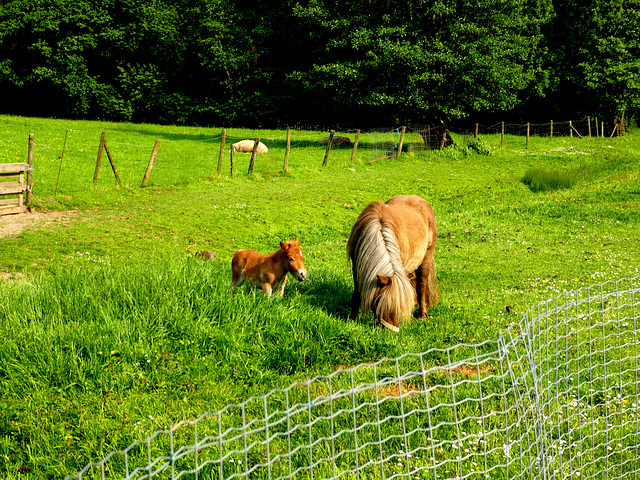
<point x="246" y="146"/>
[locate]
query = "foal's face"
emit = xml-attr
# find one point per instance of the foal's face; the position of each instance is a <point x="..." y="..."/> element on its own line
<point x="295" y="265"/>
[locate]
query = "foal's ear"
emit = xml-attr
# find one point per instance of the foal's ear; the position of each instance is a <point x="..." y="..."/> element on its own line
<point x="383" y="280"/>
<point x="296" y="242"/>
<point x="284" y="246"/>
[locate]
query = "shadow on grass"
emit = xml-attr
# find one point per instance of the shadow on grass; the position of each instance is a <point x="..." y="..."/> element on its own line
<point x="333" y="297"/>
<point x="309" y="139"/>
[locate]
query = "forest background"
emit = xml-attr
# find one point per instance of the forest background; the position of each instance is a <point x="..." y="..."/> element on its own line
<point x="319" y="63"/>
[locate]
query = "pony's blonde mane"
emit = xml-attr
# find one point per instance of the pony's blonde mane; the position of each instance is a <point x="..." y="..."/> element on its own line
<point x="373" y="248"/>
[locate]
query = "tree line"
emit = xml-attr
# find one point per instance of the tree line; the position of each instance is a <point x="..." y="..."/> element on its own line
<point x="329" y="63"/>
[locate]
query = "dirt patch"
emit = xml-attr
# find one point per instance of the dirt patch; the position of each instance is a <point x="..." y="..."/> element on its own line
<point x="11" y="276"/>
<point x="11" y="225"/>
<point x="472" y="370"/>
<point x="394" y="390"/>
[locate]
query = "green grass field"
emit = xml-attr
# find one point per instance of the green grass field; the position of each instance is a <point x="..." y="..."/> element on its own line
<point x="110" y="328"/>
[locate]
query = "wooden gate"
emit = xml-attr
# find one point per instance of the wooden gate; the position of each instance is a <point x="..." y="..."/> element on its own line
<point x="13" y="188"/>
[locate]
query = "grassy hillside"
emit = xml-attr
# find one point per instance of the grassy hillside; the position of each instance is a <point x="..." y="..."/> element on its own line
<point x="110" y="328"/>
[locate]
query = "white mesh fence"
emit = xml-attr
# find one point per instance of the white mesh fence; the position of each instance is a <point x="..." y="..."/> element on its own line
<point x="554" y="397"/>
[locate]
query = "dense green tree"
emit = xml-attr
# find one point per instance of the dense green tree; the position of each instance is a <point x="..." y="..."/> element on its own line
<point x="38" y="58"/>
<point x="596" y="57"/>
<point x="221" y="75"/>
<point x="91" y="59"/>
<point x="412" y="61"/>
<point x="118" y="59"/>
<point x="317" y="62"/>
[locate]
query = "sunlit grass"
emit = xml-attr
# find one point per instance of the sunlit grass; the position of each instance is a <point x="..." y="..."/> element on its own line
<point x="111" y="328"/>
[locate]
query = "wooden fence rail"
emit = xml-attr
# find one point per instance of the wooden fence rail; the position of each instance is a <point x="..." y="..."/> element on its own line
<point x="13" y="185"/>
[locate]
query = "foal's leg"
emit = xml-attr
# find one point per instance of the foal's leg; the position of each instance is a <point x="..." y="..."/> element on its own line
<point x="284" y="282"/>
<point x="266" y="288"/>
<point x="268" y="281"/>
<point x="237" y="278"/>
<point x="237" y="267"/>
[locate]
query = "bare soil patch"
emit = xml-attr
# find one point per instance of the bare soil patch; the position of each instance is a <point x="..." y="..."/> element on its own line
<point x="11" y="225"/>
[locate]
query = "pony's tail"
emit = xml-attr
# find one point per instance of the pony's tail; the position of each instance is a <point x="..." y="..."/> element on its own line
<point x="434" y="287"/>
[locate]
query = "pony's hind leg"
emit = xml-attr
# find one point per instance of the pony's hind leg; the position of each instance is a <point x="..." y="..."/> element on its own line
<point x="426" y="287"/>
<point x="433" y="291"/>
<point x="422" y="288"/>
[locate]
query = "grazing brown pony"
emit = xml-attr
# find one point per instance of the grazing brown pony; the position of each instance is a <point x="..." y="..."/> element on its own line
<point x="391" y="248"/>
<point x="268" y="271"/>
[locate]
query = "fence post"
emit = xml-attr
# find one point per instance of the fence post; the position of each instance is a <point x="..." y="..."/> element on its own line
<point x="152" y="162"/>
<point x="574" y="130"/>
<point x="101" y="148"/>
<point x="30" y="171"/>
<point x="502" y="137"/>
<point x="253" y="155"/>
<point x="223" y="140"/>
<point x="615" y="127"/>
<point x="528" y="127"/>
<point x="570" y="130"/>
<point x="404" y="129"/>
<point x="326" y="154"/>
<point x="99" y="159"/>
<point x="231" y="152"/>
<point x="64" y="146"/>
<point x="113" y="165"/>
<point x="444" y="139"/>
<point x="286" y="155"/>
<point x="476" y="134"/>
<point x="589" y="120"/>
<point x="355" y="145"/>
<point x="551" y="130"/>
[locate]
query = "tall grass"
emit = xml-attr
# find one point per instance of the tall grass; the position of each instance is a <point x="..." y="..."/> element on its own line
<point x="110" y="328"/>
<point x="541" y="179"/>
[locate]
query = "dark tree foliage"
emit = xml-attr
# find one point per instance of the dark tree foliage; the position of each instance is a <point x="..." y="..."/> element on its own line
<point x="138" y="60"/>
<point x="317" y="62"/>
<point x="418" y="60"/>
<point x="595" y="62"/>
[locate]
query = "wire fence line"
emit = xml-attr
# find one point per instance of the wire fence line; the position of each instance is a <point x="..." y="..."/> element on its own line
<point x="584" y="127"/>
<point x="183" y="159"/>
<point x="69" y="165"/>
<point x="555" y="396"/>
